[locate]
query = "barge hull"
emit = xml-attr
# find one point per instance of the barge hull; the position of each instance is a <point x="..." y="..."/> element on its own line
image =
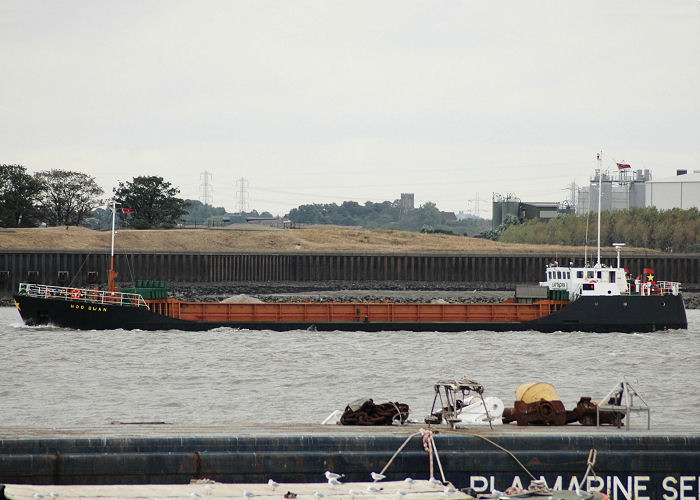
<point x="629" y="464"/>
<point x="596" y="314"/>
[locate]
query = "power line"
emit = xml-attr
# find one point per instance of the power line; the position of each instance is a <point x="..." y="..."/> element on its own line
<point x="206" y="190"/>
<point x="242" y="195"/>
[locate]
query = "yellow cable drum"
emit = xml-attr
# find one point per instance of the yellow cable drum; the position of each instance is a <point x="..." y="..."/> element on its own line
<point x="538" y="391"/>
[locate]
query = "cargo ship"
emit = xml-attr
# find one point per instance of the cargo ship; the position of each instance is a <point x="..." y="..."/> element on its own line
<point x="593" y="298"/>
<point x="603" y="303"/>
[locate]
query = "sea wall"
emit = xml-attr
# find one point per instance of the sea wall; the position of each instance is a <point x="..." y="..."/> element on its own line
<point x="71" y="268"/>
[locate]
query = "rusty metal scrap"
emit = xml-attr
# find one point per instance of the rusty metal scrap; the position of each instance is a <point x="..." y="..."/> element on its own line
<point x="375" y="414"/>
<point x="537" y="413"/>
<point x="553" y="413"/>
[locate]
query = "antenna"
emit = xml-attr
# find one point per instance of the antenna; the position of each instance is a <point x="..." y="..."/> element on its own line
<point x="242" y="195"/>
<point x="206" y="190"/>
<point x="600" y="191"/>
<point x="112" y="273"/>
<point x="618" y="247"/>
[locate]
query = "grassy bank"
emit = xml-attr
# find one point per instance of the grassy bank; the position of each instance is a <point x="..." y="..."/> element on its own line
<point x="320" y="238"/>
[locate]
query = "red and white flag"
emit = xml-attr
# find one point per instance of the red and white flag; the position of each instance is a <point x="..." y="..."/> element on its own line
<point x="621" y="166"/>
<point x="128" y="210"/>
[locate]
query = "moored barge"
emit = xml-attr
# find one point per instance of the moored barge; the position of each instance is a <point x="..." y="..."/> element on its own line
<point x="643" y="465"/>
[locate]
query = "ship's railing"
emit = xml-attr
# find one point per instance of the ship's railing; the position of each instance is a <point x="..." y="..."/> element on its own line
<point x="641" y="288"/>
<point x="670" y="287"/>
<point x="86" y="295"/>
<point x="658" y="288"/>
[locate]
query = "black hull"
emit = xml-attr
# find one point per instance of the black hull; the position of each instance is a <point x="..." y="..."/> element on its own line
<point x="591" y="314"/>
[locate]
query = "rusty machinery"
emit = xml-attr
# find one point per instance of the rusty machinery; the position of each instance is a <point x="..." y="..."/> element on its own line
<point x="539" y="404"/>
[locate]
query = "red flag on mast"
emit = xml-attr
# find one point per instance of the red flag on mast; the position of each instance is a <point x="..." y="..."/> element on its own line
<point x="128" y="210"/>
<point x="621" y="166"/>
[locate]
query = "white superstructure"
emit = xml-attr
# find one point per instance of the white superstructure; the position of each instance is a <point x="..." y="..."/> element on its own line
<point x="600" y="280"/>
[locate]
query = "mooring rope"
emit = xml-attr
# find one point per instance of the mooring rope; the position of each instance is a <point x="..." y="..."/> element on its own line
<point x="507" y="451"/>
<point x="437" y="457"/>
<point x="429" y="446"/>
<point x="592" y="455"/>
<point x="398" y="451"/>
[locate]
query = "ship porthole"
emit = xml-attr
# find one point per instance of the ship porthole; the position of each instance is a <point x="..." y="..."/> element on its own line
<point x="624" y="304"/>
<point x="663" y="304"/>
<point x="609" y="292"/>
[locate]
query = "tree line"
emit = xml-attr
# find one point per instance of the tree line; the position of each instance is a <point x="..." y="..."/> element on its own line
<point x="62" y="197"/>
<point x="67" y="198"/>
<point x="387" y="215"/>
<point x="673" y="230"/>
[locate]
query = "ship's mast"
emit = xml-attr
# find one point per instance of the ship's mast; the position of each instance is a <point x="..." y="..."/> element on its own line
<point x="112" y="273"/>
<point x="600" y="191"/>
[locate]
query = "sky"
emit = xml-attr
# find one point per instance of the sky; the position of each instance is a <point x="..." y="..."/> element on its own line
<point x="322" y="101"/>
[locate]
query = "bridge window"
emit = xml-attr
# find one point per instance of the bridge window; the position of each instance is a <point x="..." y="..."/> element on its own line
<point x="579" y="274"/>
<point x="611" y="277"/>
<point x="558" y="274"/>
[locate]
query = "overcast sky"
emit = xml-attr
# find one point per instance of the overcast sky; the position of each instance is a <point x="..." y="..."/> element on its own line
<point x="324" y="101"/>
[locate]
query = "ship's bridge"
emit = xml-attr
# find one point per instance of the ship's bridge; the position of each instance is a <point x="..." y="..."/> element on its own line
<point x="587" y="280"/>
<point x="600" y="280"/>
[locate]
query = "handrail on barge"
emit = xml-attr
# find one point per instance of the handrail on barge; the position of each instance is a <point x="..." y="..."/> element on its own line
<point x="87" y="295"/>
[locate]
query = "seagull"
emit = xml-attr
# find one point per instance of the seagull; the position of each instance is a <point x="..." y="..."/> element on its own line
<point x="194" y="494"/>
<point x="55" y="494"/>
<point x="248" y="494"/>
<point x="408" y="481"/>
<point x="373" y="489"/>
<point x="377" y="477"/>
<point x="272" y="484"/>
<point x="334" y="482"/>
<point x="319" y="494"/>
<point x="38" y="495"/>
<point x="355" y="492"/>
<point x="333" y="475"/>
<point x="402" y="493"/>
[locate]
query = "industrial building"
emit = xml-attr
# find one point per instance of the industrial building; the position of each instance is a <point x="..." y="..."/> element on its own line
<point x="509" y="207"/>
<point x="681" y="191"/>
<point x="621" y="191"/>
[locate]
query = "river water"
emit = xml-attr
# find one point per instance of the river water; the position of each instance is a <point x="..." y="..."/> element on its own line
<point x="54" y="377"/>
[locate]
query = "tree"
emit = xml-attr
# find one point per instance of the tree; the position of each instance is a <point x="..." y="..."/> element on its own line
<point x="153" y="200"/>
<point x="19" y="193"/>
<point x="198" y="212"/>
<point x="67" y="198"/>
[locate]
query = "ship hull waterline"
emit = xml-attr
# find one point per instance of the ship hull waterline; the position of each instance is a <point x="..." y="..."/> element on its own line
<point x="591" y="314"/>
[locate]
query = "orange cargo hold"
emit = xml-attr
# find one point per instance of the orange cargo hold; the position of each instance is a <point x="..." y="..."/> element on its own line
<point x="348" y="312"/>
